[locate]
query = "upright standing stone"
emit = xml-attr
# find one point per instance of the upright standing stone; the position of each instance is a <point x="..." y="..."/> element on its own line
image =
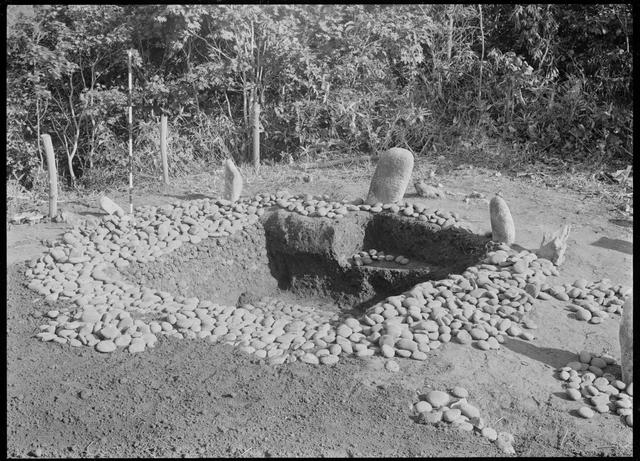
<point x="391" y="178"/>
<point x="626" y="341"/>
<point x="425" y="190"/>
<point x="554" y="245"/>
<point x="110" y="206"/>
<point x="502" y="227"/>
<point x="232" y="181"/>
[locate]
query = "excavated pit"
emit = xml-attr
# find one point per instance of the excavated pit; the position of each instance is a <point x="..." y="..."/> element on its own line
<point x="302" y="260"/>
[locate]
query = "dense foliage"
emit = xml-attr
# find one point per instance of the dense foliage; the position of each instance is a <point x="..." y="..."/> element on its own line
<point x="554" y="79"/>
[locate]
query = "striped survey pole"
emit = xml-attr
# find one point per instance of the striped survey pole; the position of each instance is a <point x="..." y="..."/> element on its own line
<point x="130" y="137"/>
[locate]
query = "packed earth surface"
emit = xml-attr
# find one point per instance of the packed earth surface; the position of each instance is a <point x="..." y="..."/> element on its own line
<point x="275" y="326"/>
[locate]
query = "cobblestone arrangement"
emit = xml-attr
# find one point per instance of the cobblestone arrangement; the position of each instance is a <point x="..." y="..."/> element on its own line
<point x="453" y="408"/>
<point x="367" y="257"/>
<point x="589" y="380"/>
<point x="481" y="306"/>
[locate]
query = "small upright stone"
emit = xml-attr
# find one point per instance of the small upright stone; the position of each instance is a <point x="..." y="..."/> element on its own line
<point x="626" y="340"/>
<point x="391" y="177"/>
<point x="110" y="206"/>
<point x="232" y="181"/>
<point x="554" y="245"/>
<point x="502" y="227"/>
<point x="425" y="190"/>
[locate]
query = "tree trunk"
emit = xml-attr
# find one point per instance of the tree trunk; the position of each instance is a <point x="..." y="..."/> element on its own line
<point x="256" y="133"/>
<point x="245" y="111"/>
<point x="481" y="55"/>
<point x="450" y="38"/>
<point x="245" y="118"/>
<point x="70" y="155"/>
<point x="38" y="133"/>
<point x="93" y="122"/>
<point x="249" y="123"/>
<point x="72" y="175"/>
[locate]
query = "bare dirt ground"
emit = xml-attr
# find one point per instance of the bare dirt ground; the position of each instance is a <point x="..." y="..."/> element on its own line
<point x="188" y="398"/>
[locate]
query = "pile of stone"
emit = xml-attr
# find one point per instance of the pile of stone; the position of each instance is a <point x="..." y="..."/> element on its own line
<point x="453" y="408"/>
<point x="590" y="380"/>
<point x="109" y="310"/>
<point x="590" y="301"/>
<point x="366" y="257"/>
<point x="323" y="207"/>
<point x="481" y="306"/>
<point x="30" y="217"/>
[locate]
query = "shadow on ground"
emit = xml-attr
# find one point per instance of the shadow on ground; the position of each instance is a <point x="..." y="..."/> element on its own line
<point x="97" y="214"/>
<point x="517" y="247"/>
<point x="195" y="196"/>
<point x="614" y="244"/>
<point x="554" y="357"/>
<point x="562" y="396"/>
<point x="622" y="222"/>
<point x="79" y="203"/>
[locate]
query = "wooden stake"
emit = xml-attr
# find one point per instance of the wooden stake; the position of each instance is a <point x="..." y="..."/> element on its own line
<point x="53" y="176"/>
<point x="130" y="135"/>
<point x="256" y="134"/>
<point x="163" y="149"/>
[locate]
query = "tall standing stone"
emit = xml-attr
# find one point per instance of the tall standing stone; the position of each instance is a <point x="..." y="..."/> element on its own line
<point x="502" y="227"/>
<point x="626" y="341"/>
<point x="232" y="181"/>
<point x="391" y="178"/>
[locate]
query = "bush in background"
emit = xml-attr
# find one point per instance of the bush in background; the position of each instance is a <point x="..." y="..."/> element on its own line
<point x="554" y="79"/>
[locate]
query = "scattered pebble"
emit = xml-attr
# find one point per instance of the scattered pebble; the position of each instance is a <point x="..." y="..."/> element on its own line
<point x="459" y="392"/>
<point x="451" y="415"/>
<point x="432" y="417"/>
<point x="587" y="383"/>
<point x="437" y="398"/>
<point x="422" y="406"/>
<point x="489" y="433"/>
<point x="329" y="359"/>
<point x="469" y="410"/>
<point x="136" y="346"/>
<point x="504" y="442"/>
<point x="586" y="412"/>
<point x="392" y="365"/>
<point x="464" y="425"/>
<point x="106" y="346"/>
<point x="574" y="394"/>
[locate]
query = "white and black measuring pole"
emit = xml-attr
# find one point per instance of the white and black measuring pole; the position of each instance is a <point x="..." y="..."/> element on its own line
<point x="130" y="136"/>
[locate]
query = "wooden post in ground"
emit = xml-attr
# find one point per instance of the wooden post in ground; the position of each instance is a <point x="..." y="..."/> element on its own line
<point x="256" y="134"/>
<point x="130" y="135"/>
<point x="53" y="176"/>
<point x="163" y="149"/>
